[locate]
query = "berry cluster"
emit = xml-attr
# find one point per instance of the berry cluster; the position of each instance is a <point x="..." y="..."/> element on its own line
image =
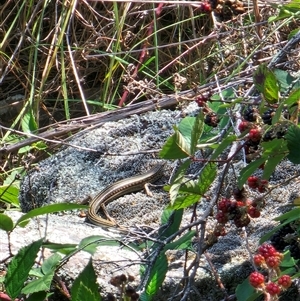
<point x="239" y="210"/>
<point x="211" y="118"/>
<point x="259" y="184"/>
<point x="268" y="257"/>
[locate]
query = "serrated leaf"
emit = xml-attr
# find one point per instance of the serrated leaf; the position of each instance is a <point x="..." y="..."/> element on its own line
<point x="293" y="144"/>
<point x="266" y="83"/>
<point x="190" y="190"/>
<point x="6" y="223"/>
<point x="171" y="150"/>
<point x="157" y="275"/>
<point x="50" y="209"/>
<point x="19" y="267"/>
<point x="38" y="285"/>
<point x="50" y="263"/>
<point x="85" y="287"/>
<point x="247" y="171"/>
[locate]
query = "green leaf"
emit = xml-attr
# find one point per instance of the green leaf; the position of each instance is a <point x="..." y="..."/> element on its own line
<point x="179" y="178"/>
<point x="288" y="261"/>
<point x="85" y="287"/>
<point x="275" y="151"/>
<point x="197" y="131"/>
<point x="9" y="194"/>
<point x="228" y="93"/>
<point x="38" y="285"/>
<point x="266" y="83"/>
<point x="184" y="201"/>
<point x="247" y="171"/>
<point x="39" y="296"/>
<point x="50" y="263"/>
<point x="293" y="97"/>
<point x="6" y="223"/>
<point x="157" y="275"/>
<point x="246" y="292"/>
<point x="189" y="191"/>
<point x="284" y="78"/>
<point x="19" y="267"/>
<point x="183" y="243"/>
<point x="173" y="219"/>
<point x="28" y="123"/>
<point x="293" y="143"/>
<point x="50" y="209"/>
<point x="222" y="146"/>
<point x="61" y="248"/>
<point x="171" y="150"/>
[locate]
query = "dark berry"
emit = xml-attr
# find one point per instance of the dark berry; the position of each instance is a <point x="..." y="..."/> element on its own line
<point x="242" y="221"/>
<point x="238" y="194"/>
<point x="267" y="116"/>
<point x="212" y="119"/>
<point x="250" y="114"/>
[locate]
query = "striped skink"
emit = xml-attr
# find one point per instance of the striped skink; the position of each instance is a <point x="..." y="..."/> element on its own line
<point x="118" y="189"/>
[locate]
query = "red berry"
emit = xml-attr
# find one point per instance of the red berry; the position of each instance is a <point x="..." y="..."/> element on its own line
<point x="205" y="7"/>
<point x="244" y="125"/>
<point x="259" y="260"/>
<point x="256" y="279"/>
<point x="240" y="203"/>
<point x="201" y="101"/>
<point x="267" y="250"/>
<point x="253" y="212"/>
<point x="253" y="182"/>
<point x="273" y="261"/>
<point x="224" y="205"/>
<point x="222" y="217"/>
<point x="273" y="289"/>
<point x="285" y="281"/>
<point x="255" y="135"/>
